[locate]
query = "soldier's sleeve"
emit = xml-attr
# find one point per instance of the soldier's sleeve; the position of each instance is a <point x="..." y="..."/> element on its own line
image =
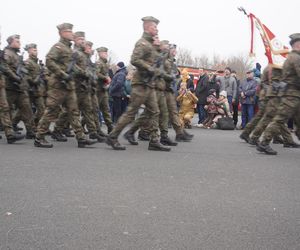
<point x="100" y="72"/>
<point x="79" y="68"/>
<point x="52" y="58"/>
<point x="297" y="66"/>
<point x="138" y="54"/>
<point x="10" y="73"/>
<point x="30" y="69"/>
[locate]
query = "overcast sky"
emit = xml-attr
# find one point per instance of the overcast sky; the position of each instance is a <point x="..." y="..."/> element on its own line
<point x="204" y="27"/>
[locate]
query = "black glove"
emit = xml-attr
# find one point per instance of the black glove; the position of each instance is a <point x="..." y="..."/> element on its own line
<point x="17" y="79"/>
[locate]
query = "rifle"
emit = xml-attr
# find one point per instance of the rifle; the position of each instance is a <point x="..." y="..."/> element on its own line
<point x="40" y="78"/>
<point x="21" y="71"/>
<point x="70" y="68"/>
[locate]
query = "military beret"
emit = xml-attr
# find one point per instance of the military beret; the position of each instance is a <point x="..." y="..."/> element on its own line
<point x="173" y="46"/>
<point x="65" y="27"/>
<point x="150" y="19"/>
<point x="102" y="49"/>
<point x="294" y="38"/>
<point x="11" y="38"/>
<point x="88" y="43"/>
<point x="30" y="46"/>
<point x="79" y="34"/>
<point x="164" y="42"/>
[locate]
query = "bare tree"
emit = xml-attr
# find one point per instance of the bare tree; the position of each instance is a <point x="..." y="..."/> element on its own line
<point x="202" y="62"/>
<point x="184" y="57"/>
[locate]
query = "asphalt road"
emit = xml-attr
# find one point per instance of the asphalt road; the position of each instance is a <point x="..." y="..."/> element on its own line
<point x="213" y="193"/>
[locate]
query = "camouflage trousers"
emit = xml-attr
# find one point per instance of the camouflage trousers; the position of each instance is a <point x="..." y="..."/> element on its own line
<point x="142" y="122"/>
<point x="255" y="120"/>
<point x="104" y="107"/>
<point x="4" y="113"/>
<point x="141" y="94"/>
<point x="288" y="107"/>
<point x="173" y="112"/>
<point x="20" y="102"/>
<point x="55" y="99"/>
<point x="39" y="104"/>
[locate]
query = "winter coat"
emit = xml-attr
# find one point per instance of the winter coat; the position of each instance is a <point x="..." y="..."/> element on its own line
<point x="117" y="85"/>
<point x="202" y="89"/>
<point x="229" y="85"/>
<point x="248" y="87"/>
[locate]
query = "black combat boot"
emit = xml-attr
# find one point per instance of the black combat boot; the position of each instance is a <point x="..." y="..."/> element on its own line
<point x="0" y="136"/>
<point x="114" y="143"/>
<point x="58" y="136"/>
<point x="85" y="142"/>
<point x="101" y="133"/>
<point x="182" y="138"/>
<point x="291" y="145"/>
<point x="30" y="135"/>
<point x="109" y="129"/>
<point x="129" y="136"/>
<point x="99" y="138"/>
<point x="277" y="140"/>
<point x="143" y="136"/>
<point x="156" y="146"/>
<point x="165" y="140"/>
<point x="265" y="148"/>
<point x="188" y="134"/>
<point x="42" y="143"/>
<point x="244" y="137"/>
<point x="68" y="132"/>
<point x="253" y="141"/>
<point x="14" y="137"/>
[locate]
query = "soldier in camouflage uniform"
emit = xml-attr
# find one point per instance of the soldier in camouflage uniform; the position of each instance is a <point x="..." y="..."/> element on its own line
<point x="264" y="96"/>
<point x="290" y="101"/>
<point x="4" y="113"/>
<point x="104" y="80"/>
<point x="143" y="91"/>
<point x="160" y="87"/>
<point x="171" y="68"/>
<point x="16" y="85"/>
<point x="61" y="89"/>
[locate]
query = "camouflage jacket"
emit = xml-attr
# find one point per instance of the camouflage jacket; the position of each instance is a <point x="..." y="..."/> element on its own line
<point x="291" y="74"/>
<point x="57" y="62"/>
<point x="171" y="69"/>
<point x="276" y="76"/>
<point x="80" y="74"/>
<point x="143" y="58"/>
<point x="102" y="69"/>
<point x="10" y="62"/>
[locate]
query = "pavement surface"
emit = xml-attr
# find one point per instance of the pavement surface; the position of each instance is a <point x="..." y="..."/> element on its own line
<point x="213" y="193"/>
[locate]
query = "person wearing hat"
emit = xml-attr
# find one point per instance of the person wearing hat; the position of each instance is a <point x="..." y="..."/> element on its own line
<point x="116" y="91"/>
<point x="143" y="92"/>
<point x="102" y="69"/>
<point x="5" y="111"/>
<point x="35" y="81"/>
<point x="247" y="92"/>
<point x="290" y="101"/>
<point x="61" y="90"/>
<point x="16" y="87"/>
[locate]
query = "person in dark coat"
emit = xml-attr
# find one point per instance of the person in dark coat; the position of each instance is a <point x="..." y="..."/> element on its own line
<point x="235" y="105"/>
<point x="247" y="97"/>
<point x="116" y="90"/>
<point x="201" y="92"/>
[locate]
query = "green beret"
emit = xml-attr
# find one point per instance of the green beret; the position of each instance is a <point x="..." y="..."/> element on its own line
<point x="79" y="34"/>
<point x="150" y="19"/>
<point x="11" y="38"/>
<point x="30" y="46"/>
<point x="102" y="49"/>
<point x="294" y="38"/>
<point x="88" y="43"/>
<point x="65" y="27"/>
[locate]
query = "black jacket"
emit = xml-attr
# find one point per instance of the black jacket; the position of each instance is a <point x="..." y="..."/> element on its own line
<point x="202" y="89"/>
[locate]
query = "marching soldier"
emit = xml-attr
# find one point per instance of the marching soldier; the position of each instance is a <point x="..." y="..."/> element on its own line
<point x="16" y="86"/>
<point x="61" y="89"/>
<point x="143" y="91"/>
<point x="290" y="101"/>
<point x="102" y="88"/>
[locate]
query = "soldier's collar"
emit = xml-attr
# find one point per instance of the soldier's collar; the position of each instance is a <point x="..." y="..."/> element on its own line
<point x="103" y="60"/>
<point x="34" y="58"/>
<point x="148" y="37"/>
<point x="65" y="41"/>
